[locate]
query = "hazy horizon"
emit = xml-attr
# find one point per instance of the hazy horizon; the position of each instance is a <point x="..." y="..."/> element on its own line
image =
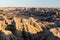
<point x="30" y="3"/>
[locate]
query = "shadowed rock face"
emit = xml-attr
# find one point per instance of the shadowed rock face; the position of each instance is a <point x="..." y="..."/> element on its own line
<point x="30" y="24"/>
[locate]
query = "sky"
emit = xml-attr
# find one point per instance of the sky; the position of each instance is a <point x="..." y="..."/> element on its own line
<point x="29" y="3"/>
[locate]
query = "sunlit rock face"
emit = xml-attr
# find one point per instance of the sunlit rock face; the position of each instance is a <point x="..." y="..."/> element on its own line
<point x="27" y="24"/>
<point x="55" y="31"/>
<point x="30" y="24"/>
<point x="18" y="22"/>
<point x="2" y="23"/>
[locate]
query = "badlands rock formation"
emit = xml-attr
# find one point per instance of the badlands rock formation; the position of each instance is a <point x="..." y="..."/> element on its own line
<point x="30" y="24"/>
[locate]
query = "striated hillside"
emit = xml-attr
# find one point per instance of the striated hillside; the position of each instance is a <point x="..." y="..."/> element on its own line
<point x="30" y="24"/>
